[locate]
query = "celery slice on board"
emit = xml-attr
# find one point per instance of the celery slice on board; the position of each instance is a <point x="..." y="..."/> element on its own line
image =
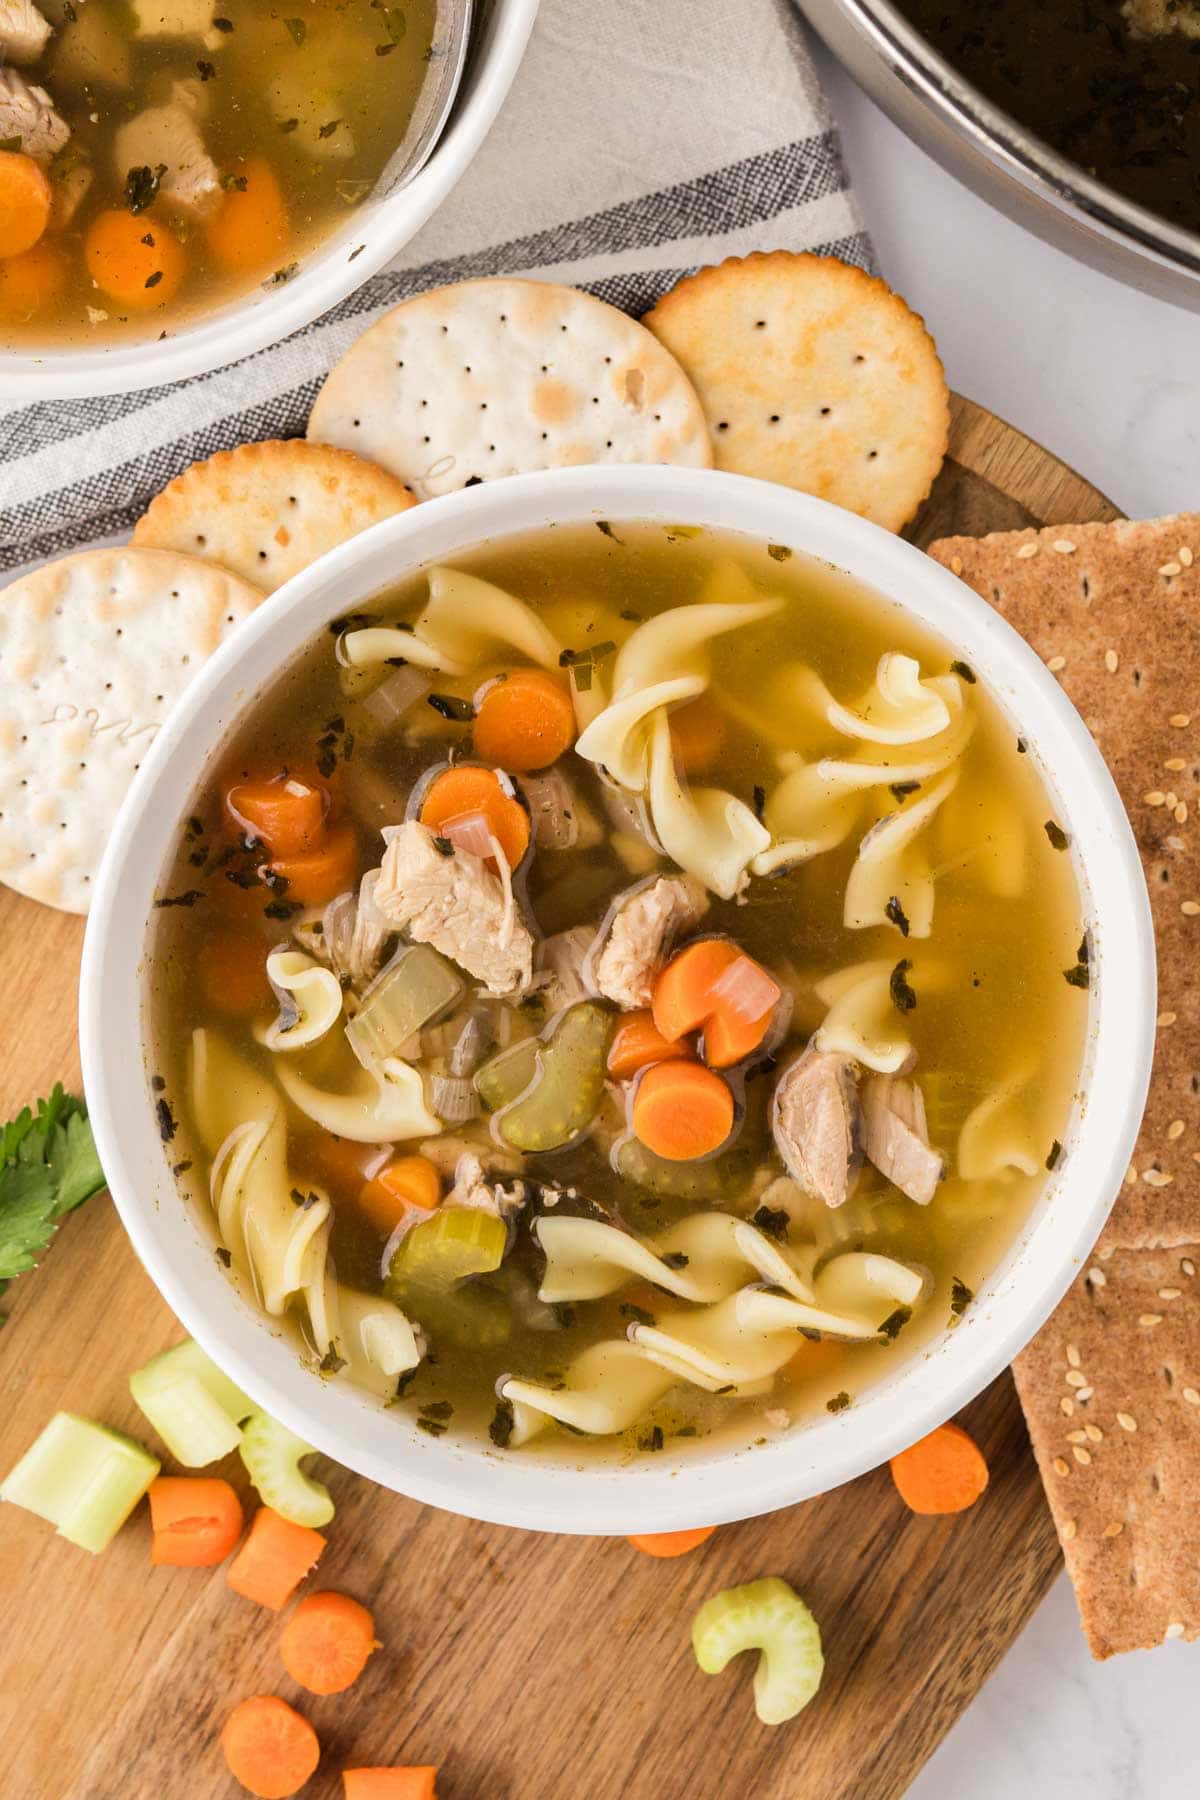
<point x="272" y="1457"/>
<point x="195" y="1409"/>
<point x="769" y="1616"/>
<point x="84" y="1478"/>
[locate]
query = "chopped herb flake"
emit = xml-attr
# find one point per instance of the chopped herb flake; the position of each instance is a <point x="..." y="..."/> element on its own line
<point x="223" y="1256"/>
<point x="188" y="898"/>
<point x="1056" y="834"/>
<point x="500" y="1429"/>
<point x="779" y="552"/>
<point x="638" y="1314"/>
<point x="961" y="1297"/>
<point x="141" y="185"/>
<point x="604" y="526"/>
<point x="760" y="801"/>
<point x="896" y="913"/>
<point x="451" y="707"/>
<point x="1055" y="1153"/>
<point x="903" y="997"/>
<point x="331" y="1362"/>
<point x="437" y="1409"/>
<point x="839" y="1403"/>
<point x="297" y="30"/>
<point x="434" y="1427"/>
<point x="773" y="1220"/>
<point x="1078" y="977"/>
<point x="166" y="1120"/>
<point x="894" y="1324"/>
<point x="675" y="1259"/>
<point x="900" y="790"/>
<point x="965" y="670"/>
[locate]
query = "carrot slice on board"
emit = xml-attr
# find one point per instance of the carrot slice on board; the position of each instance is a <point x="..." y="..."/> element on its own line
<point x="196" y="1521"/>
<point x="637" y="1041"/>
<point x="321" y="874"/>
<point x="286" y="813"/>
<point x="274" y="1559"/>
<point x="137" y="261"/>
<point x="390" y="1784"/>
<point x="681" y="1110"/>
<point x="251" y="229"/>
<point x="25" y="197"/>
<point x="943" y="1473"/>
<point x="270" y="1749"/>
<point x="672" y="1543"/>
<point x="326" y="1642"/>
<point x="404" y="1182"/>
<point x="526" y="720"/>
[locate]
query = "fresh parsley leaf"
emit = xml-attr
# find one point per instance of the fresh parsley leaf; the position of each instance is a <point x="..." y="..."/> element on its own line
<point x="48" y="1167"/>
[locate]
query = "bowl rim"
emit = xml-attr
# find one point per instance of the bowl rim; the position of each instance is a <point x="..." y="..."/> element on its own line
<point x="663" y="1492"/>
<point x="1029" y="159"/>
<point x="335" y="267"/>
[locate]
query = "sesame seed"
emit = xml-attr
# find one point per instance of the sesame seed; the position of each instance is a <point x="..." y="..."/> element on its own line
<point x="1173" y="842"/>
<point x="1175" y="763"/>
<point x="1077" y="1437"/>
<point x="1191" y="1396"/>
<point x="1064" y="546"/>
<point x="1176" y="1128"/>
<point x="1075" y="1379"/>
<point x="1081" y="1455"/>
<point x="1094" y="1433"/>
<point x="956" y="565"/>
<point x="1084" y="1394"/>
<point x="1167" y="1018"/>
<point x="1179" y="720"/>
<point x="1069" y="1529"/>
<point x="1174" y="1630"/>
<point x="1169" y="568"/>
<point x="1155" y="797"/>
<point x="1190" y="908"/>
<point x="1149" y="1320"/>
<point x="1097" y="1277"/>
<point x="1157" y="1178"/>
<point x="1056" y="663"/>
<point x="1187" y="1265"/>
<point x="1113" y="1530"/>
<point x="1126" y="1421"/>
<point x="1112" y="661"/>
<point x="1169" y="1293"/>
<point x="1130" y="1176"/>
<point x="1061" y="1467"/>
<point x="1027" y="550"/>
<point x="1181" y="813"/>
<point x="1067" y="1405"/>
<point x="1073" y="1356"/>
<point x="1171" y="798"/>
<point x="1185" y="556"/>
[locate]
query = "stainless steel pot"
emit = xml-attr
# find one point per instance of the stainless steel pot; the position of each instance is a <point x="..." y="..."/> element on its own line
<point x="1005" y="164"/>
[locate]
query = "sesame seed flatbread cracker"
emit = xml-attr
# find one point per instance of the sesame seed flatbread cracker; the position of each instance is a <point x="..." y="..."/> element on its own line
<point x="1111" y="1392"/>
<point x="94" y="651"/>
<point x="491" y="378"/>
<point x="265" y="511"/>
<point x="815" y="375"/>
<point x="1114" y="611"/>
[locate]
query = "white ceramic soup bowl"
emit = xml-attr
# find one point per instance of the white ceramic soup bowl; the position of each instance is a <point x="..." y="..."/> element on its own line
<point x="369" y="238"/>
<point x="682" y="1485"/>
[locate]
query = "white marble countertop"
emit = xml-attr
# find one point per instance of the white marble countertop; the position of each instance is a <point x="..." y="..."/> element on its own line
<point x="1109" y="380"/>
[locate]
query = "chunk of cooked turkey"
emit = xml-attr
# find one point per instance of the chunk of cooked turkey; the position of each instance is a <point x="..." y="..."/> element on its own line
<point x="561" y="957"/>
<point x="473" y="1188"/>
<point x="634" y="940"/>
<point x="816" y="1119"/>
<point x="896" y="1137"/>
<point x="23" y="31"/>
<point x="28" y="119"/>
<point x="559" y="817"/>
<point x="455" y="903"/>
<point x="168" y="137"/>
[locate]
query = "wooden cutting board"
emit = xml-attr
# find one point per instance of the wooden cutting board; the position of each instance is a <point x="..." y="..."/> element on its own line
<point x="529" y="1667"/>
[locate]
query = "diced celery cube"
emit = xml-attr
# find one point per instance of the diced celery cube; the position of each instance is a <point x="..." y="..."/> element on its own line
<point x="83" y="1478"/>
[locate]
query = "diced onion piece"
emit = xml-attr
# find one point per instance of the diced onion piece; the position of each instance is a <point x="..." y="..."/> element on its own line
<point x="746" y="989"/>
<point x="272" y="1455"/>
<point x="454" y="1099"/>
<point x="765" y="1615"/>
<point x="195" y="1409"/>
<point x="470" y="831"/>
<point x="83" y="1478"/>
<point x="393" y="697"/>
<point x="415" y="987"/>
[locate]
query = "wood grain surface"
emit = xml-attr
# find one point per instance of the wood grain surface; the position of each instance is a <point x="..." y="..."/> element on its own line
<point x="529" y="1667"/>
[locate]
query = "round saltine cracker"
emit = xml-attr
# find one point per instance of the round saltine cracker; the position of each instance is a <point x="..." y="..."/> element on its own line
<point x="491" y="378"/>
<point x="265" y="511"/>
<point x="813" y="374"/>
<point x="94" y="650"/>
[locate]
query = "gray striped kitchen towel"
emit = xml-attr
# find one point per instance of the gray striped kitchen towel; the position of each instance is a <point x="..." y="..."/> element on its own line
<point x="641" y="139"/>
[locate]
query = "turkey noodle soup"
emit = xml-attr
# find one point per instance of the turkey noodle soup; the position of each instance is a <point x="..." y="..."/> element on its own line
<point x="627" y="986"/>
<point x="160" y="157"/>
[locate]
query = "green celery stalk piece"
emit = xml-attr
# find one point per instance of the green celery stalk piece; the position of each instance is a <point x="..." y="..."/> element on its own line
<point x="769" y="1616"/>
<point x="272" y="1455"/>
<point x="566" y="1096"/>
<point x="195" y="1409"/>
<point x="441" y="1251"/>
<point x="83" y="1478"/>
<point x="505" y="1077"/>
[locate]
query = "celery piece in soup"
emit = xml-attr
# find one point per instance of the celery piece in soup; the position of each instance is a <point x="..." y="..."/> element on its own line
<point x="416" y="986"/>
